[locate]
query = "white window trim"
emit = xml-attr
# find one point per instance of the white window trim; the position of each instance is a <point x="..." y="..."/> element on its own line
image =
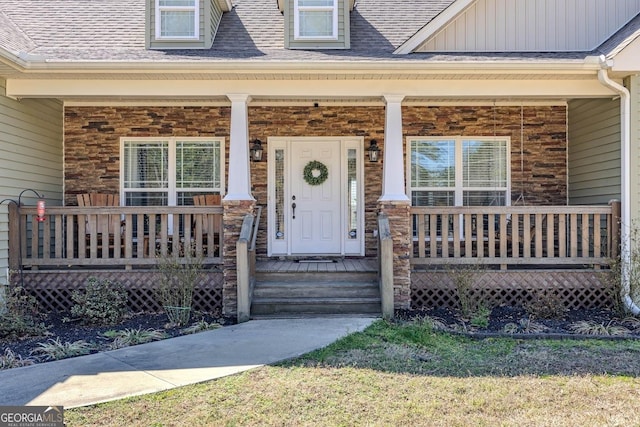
<point x="459" y="189"/>
<point x="195" y="8"/>
<point x="296" y="20"/>
<point x="171" y="187"/>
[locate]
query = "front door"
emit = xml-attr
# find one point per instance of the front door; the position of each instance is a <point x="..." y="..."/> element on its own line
<point x="315" y="205"/>
<point x="315" y="196"/>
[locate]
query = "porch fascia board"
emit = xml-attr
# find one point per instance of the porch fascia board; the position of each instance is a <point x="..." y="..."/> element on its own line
<point x="70" y="89"/>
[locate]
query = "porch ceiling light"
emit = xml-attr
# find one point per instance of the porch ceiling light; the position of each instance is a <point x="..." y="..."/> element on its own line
<point x="374" y="151"/>
<point x="256" y="151"/>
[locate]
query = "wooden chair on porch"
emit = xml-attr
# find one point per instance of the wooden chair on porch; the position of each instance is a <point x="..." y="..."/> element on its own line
<point x="211" y="224"/>
<point x="105" y="227"/>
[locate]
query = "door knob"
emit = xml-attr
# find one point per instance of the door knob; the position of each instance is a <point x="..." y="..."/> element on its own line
<point x="293" y="210"/>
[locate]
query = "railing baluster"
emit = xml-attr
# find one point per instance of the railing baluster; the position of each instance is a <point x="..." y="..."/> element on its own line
<point x="515" y="235"/>
<point x="573" y="240"/>
<point x="468" y="237"/>
<point x="585" y="235"/>
<point x="433" y="235"/>
<point x="421" y="235"/>
<point x="550" y="236"/>
<point x="445" y="235"/>
<point x="562" y="235"/>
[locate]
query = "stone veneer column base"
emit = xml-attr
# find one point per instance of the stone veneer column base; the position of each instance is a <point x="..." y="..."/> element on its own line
<point x="234" y="213"/>
<point x="400" y="224"/>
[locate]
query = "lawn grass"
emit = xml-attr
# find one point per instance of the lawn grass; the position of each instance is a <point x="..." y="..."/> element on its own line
<point x="408" y="374"/>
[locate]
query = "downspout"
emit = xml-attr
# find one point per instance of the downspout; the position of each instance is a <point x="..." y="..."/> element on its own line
<point x="625" y="214"/>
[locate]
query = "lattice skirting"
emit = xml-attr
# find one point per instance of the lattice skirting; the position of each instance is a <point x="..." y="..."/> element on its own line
<point x="53" y="289"/>
<point x="576" y="289"/>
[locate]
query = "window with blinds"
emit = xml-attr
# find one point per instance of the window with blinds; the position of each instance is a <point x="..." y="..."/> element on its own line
<point x="177" y="19"/>
<point x="170" y="172"/>
<point x="316" y="19"/>
<point x="459" y="171"/>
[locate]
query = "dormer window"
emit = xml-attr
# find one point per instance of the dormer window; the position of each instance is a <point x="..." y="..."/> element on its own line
<point x="316" y="19"/>
<point x="177" y="19"/>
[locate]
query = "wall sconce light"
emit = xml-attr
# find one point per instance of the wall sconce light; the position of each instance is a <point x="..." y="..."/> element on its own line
<point x="374" y="151"/>
<point x="256" y="151"/>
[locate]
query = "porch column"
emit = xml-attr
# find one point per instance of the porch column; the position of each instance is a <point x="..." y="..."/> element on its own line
<point x="393" y="168"/>
<point x="394" y="202"/>
<point x="238" y="202"/>
<point x="239" y="185"/>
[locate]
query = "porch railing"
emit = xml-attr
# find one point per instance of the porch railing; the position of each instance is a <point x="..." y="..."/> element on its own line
<point x="69" y="235"/>
<point x="510" y="235"/>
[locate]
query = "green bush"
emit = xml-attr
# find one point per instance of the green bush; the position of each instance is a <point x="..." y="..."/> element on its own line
<point x="102" y="302"/>
<point x="19" y="317"/>
<point x="546" y="304"/>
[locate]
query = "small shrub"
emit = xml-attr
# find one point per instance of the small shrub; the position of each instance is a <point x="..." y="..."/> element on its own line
<point x="430" y="322"/>
<point x="589" y="327"/>
<point x="480" y="317"/>
<point x="200" y="326"/>
<point x="20" y="315"/>
<point x="103" y="302"/>
<point x="10" y="360"/>
<point x="526" y="325"/>
<point x="545" y="305"/>
<point x="129" y="337"/>
<point x="177" y="283"/>
<point x="54" y="349"/>
<point x="463" y="279"/>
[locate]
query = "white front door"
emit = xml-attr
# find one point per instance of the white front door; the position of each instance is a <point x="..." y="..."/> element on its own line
<point x="315" y="209"/>
<point x="315" y="218"/>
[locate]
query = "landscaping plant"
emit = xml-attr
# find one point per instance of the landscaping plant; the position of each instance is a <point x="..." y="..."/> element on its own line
<point x="178" y="278"/>
<point x="54" y="349"/>
<point x="102" y="302"/>
<point x="19" y="318"/>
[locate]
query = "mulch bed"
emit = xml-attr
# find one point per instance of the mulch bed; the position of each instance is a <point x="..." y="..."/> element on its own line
<point x="61" y="326"/>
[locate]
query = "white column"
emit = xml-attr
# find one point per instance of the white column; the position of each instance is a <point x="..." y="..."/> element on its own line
<point x="239" y="173"/>
<point x="393" y="165"/>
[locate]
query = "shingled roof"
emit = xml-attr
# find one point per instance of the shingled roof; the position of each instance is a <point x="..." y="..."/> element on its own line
<point x="114" y="31"/>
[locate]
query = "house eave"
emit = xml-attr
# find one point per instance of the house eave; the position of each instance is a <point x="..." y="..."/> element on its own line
<point x="44" y="67"/>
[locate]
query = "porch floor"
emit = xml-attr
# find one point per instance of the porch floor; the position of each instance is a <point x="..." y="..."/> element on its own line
<point x="340" y="265"/>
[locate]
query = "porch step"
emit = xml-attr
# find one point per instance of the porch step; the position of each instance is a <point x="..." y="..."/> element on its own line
<point x="315" y="293"/>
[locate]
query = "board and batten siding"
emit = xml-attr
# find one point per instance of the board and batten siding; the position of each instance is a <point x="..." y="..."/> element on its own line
<point x="209" y="20"/>
<point x="31" y="135"/>
<point x="594" y="151"/>
<point x="343" y="41"/>
<point x="532" y="25"/>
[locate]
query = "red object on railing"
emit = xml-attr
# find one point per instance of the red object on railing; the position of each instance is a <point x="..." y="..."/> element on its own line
<point x="41" y="210"/>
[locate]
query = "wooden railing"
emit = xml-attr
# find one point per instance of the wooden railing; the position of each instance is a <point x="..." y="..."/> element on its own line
<point x="69" y="235"/>
<point x="522" y="235"/>
<point x="246" y="263"/>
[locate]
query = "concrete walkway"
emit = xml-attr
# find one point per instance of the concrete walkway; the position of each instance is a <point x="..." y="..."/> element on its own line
<point x="171" y="363"/>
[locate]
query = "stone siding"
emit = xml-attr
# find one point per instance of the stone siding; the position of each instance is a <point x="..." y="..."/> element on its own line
<point x="400" y="223"/>
<point x="233" y="217"/>
<point x="539" y="174"/>
<point x="92" y="139"/>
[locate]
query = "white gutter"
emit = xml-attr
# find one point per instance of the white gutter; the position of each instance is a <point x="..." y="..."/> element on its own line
<point x="625" y="215"/>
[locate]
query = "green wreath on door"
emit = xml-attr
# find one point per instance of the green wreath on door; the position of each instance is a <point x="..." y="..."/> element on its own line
<point x="315" y="173"/>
